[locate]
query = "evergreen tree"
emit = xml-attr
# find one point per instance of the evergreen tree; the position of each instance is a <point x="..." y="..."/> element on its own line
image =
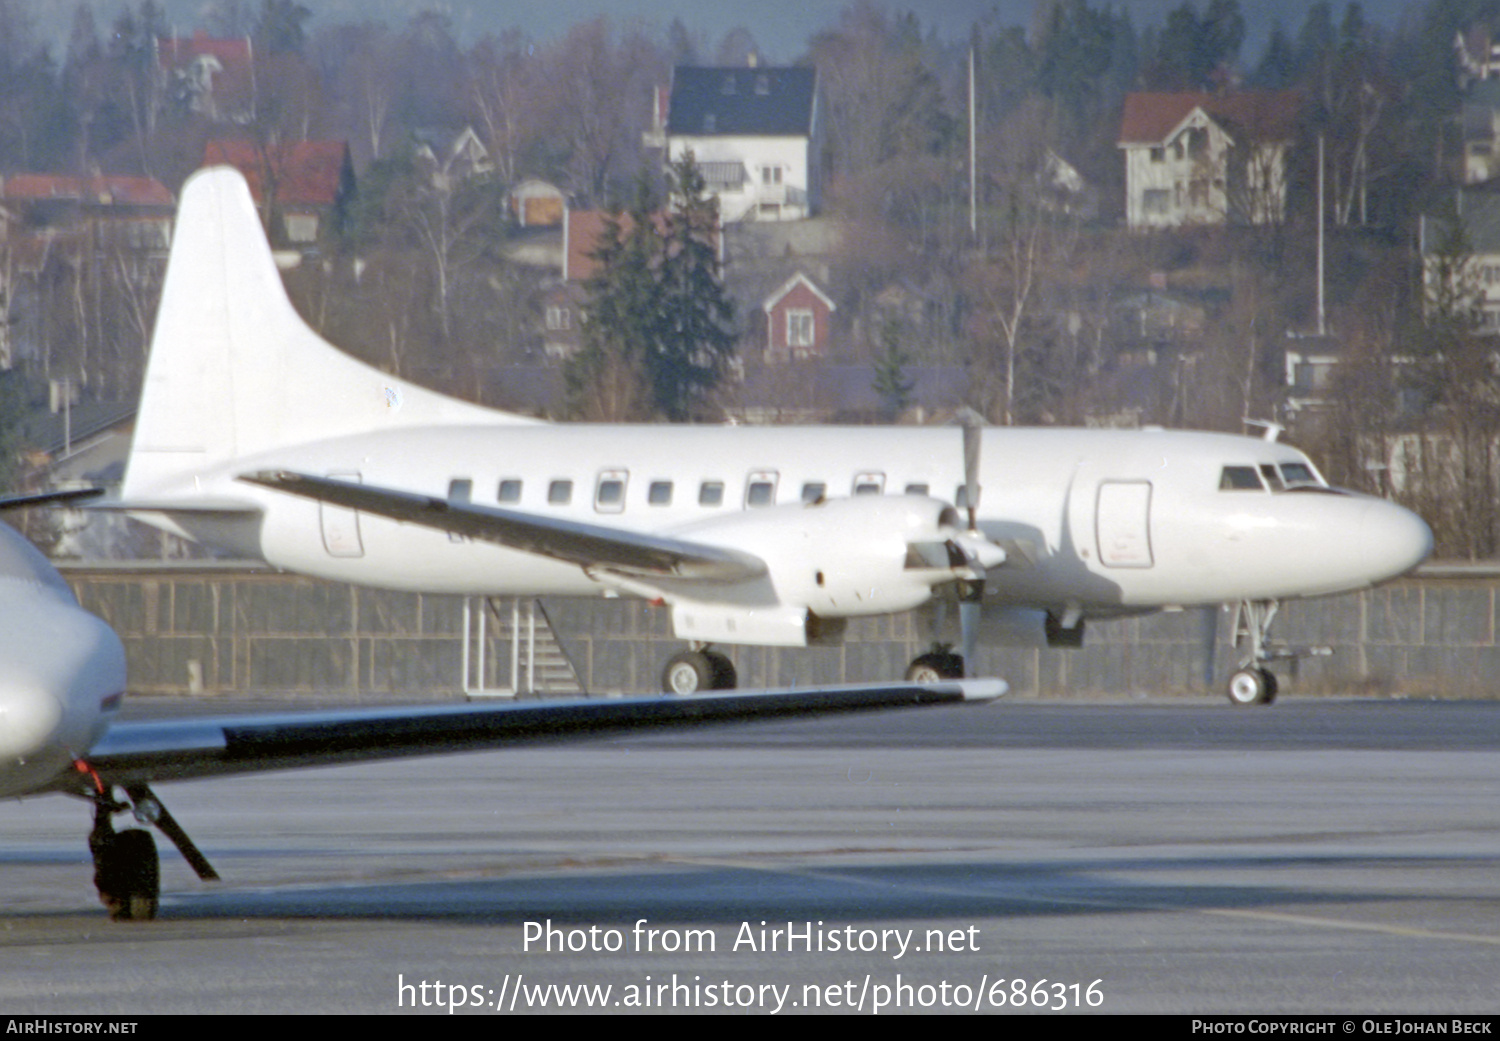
<point x="694" y="337"/>
<point x="658" y="333"/>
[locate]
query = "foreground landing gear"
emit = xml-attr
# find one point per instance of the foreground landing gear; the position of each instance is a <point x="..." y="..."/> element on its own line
<point x="935" y="665"/>
<point x="697" y="670"/>
<point x="127" y="870"/>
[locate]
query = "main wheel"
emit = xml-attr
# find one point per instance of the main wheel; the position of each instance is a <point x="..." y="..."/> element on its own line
<point x="688" y="672"/>
<point x="725" y="676"/>
<point x="934" y="666"/>
<point x="1252" y="687"/>
<point x="127" y="874"/>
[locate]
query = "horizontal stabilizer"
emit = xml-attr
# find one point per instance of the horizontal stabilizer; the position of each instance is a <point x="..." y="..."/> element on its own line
<point x="587" y="545"/>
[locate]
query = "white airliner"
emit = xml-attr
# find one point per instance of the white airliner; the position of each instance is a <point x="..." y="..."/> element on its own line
<point x="62" y="677"/>
<point x="257" y="435"/>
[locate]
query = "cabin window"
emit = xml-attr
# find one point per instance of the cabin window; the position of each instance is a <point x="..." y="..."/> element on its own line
<point x="711" y="493"/>
<point x="460" y="489"/>
<point x="869" y="484"/>
<point x="1240" y="479"/>
<point x="609" y="491"/>
<point x="760" y="489"/>
<point x="916" y="489"/>
<point x="659" y="493"/>
<point x="509" y="490"/>
<point x="813" y="491"/>
<point x="560" y="493"/>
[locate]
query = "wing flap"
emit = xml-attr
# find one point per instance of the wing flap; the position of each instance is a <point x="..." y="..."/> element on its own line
<point x="146" y="751"/>
<point x="587" y="545"/>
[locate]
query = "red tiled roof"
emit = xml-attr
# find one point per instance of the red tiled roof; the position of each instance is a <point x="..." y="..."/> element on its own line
<point x="104" y="188"/>
<point x="1266" y="115"/>
<point x="308" y="173"/>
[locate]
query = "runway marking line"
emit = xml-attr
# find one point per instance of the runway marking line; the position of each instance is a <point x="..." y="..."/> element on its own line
<point x="1275" y="916"/>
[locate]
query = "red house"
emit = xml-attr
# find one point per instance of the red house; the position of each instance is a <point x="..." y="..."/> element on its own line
<point x="799" y="320"/>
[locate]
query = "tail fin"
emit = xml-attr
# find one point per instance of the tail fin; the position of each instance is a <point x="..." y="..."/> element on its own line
<point x="234" y="370"/>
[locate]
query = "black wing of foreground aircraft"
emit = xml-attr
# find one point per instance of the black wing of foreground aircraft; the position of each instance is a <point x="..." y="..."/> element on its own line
<point x="62" y="678"/>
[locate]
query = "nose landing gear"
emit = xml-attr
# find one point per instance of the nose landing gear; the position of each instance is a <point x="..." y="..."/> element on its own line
<point x="127" y="870"/>
<point x="1253" y="683"/>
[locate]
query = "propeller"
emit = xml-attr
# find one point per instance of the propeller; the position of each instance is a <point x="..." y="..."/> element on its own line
<point x="982" y="553"/>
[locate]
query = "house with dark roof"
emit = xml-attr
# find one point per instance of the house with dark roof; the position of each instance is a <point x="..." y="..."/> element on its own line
<point x="1195" y="158"/>
<point x="304" y="184"/>
<point x="755" y="132"/>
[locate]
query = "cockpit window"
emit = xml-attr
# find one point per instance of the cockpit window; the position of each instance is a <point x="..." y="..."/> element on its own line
<point x="1240" y="479"/>
<point x="1268" y="471"/>
<point x="1299" y="475"/>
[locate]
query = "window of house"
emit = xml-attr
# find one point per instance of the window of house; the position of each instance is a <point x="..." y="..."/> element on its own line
<point x="1158" y="155"/>
<point x="727" y="86"/>
<point x="763" y="84"/>
<point x="301" y="227"/>
<point x="800" y="329"/>
<point x="1155" y="200"/>
<point x="770" y="175"/>
<point x="559" y="318"/>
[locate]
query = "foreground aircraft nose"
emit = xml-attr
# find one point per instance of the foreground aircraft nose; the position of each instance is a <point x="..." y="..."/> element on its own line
<point x="1395" y="539"/>
<point x="62" y="672"/>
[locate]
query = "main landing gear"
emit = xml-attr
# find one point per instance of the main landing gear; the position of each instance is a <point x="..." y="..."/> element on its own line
<point x="696" y="670"/>
<point x="1253" y="683"/>
<point x="940" y="663"/>
<point x="127" y="871"/>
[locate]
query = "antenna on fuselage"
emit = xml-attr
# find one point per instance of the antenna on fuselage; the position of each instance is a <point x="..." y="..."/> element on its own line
<point x="1273" y="429"/>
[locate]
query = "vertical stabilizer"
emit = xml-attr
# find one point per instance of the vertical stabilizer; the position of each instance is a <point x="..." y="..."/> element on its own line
<point x="234" y="370"/>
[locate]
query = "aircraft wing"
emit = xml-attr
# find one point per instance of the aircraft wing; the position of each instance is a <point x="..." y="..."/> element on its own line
<point x="587" y="545"/>
<point x="141" y="752"/>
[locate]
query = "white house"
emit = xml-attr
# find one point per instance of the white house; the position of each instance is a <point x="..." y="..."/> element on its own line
<point x="1469" y="261"/>
<point x="1193" y="158"/>
<point x="755" y="133"/>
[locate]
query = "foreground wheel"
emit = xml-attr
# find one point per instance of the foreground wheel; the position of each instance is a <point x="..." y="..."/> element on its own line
<point x="1252" y="687"/>
<point x="127" y="874"/>
<point x="934" y="666"/>
<point x="688" y="672"/>
<point x="725" y="676"/>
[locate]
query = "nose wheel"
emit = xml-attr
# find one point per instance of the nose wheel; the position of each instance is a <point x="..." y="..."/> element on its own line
<point x="127" y="870"/>
<point x="1252" y="687"/>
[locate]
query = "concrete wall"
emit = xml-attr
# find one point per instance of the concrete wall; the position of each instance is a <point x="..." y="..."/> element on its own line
<point x="228" y="630"/>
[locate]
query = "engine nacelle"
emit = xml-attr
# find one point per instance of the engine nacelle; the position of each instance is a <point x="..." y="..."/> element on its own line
<point x="843" y="558"/>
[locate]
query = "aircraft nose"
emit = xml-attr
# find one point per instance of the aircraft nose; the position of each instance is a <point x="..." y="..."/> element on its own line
<point x="30" y="717"/>
<point x="64" y="671"/>
<point x="1394" y="537"/>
